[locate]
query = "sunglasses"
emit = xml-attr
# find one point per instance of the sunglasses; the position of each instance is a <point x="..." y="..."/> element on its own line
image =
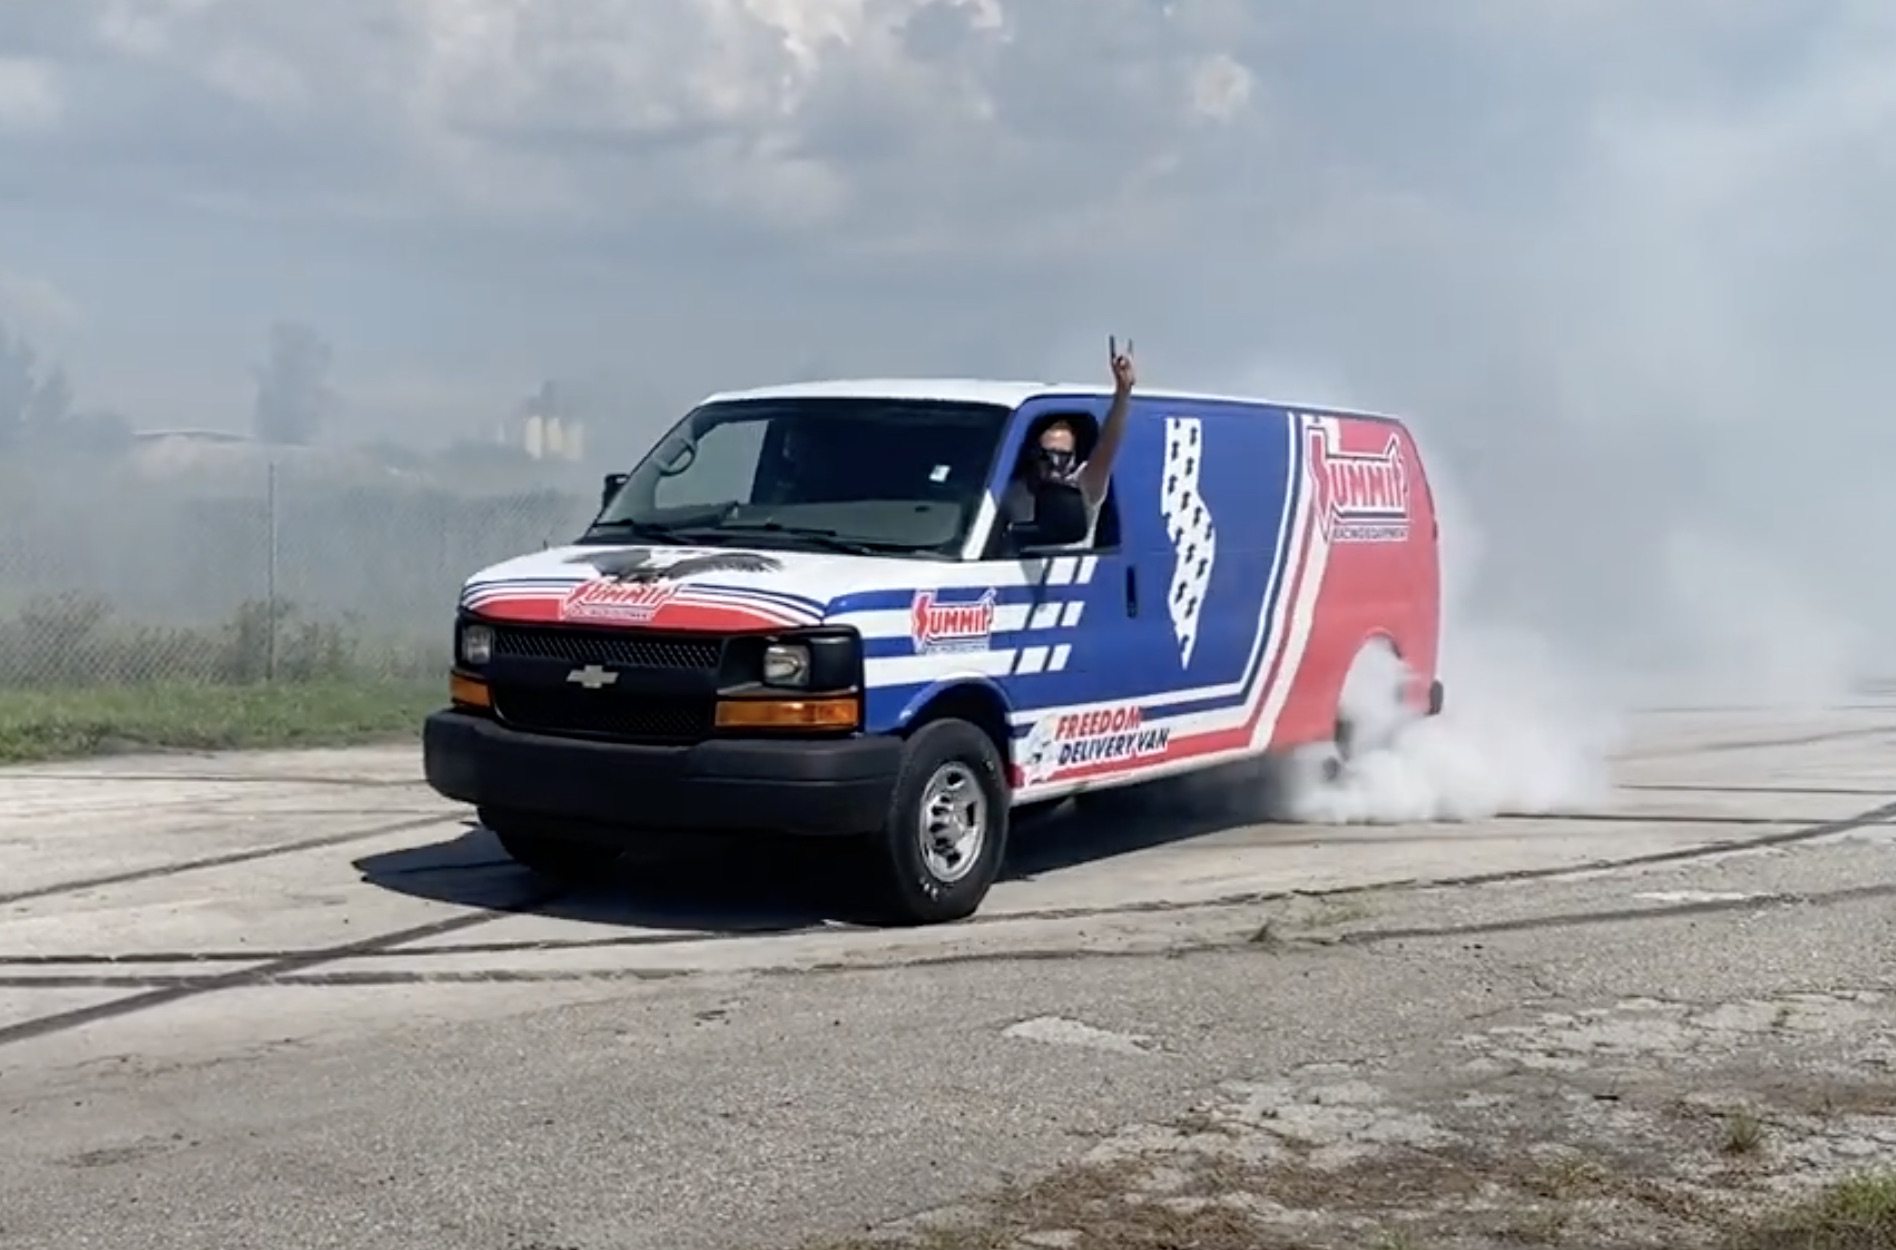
<point x="1058" y="459"/>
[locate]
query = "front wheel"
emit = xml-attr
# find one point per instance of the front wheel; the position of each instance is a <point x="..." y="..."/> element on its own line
<point x="942" y="843"/>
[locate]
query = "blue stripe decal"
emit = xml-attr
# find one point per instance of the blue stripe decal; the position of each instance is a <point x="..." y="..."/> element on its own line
<point x="902" y="600"/>
<point x="1280" y="582"/>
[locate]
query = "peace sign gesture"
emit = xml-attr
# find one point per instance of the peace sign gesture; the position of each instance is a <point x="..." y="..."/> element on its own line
<point x="1123" y="373"/>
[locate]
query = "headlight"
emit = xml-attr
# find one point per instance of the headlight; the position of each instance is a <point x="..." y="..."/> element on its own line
<point x="477" y="645"/>
<point x="786" y="665"/>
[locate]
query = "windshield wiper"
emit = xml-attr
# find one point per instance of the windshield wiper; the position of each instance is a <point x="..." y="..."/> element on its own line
<point x="831" y="540"/>
<point x="647" y="530"/>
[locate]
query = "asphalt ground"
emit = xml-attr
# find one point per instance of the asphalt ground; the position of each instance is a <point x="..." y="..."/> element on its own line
<point x="296" y="1000"/>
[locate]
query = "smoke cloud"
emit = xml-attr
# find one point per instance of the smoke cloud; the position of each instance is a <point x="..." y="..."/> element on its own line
<point x="1625" y="267"/>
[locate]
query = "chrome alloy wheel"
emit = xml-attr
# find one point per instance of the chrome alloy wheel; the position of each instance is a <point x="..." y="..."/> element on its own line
<point x="953" y="823"/>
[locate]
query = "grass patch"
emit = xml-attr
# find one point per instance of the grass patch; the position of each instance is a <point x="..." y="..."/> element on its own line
<point x="1854" y="1214"/>
<point x="44" y="724"/>
<point x="1744" y="1133"/>
<point x="1216" y="1195"/>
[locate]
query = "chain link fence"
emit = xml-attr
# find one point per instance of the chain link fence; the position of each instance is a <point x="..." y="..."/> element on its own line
<point x="267" y="569"/>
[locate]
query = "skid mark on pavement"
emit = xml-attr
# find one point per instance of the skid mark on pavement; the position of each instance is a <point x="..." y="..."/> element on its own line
<point x="1670" y="787"/>
<point x="192" y="987"/>
<point x="1616" y="915"/>
<point x="1727" y="746"/>
<point x="166" y="988"/>
<point x="248" y="855"/>
<point x="226" y="779"/>
<point x="1789" y="837"/>
<point x="389" y="948"/>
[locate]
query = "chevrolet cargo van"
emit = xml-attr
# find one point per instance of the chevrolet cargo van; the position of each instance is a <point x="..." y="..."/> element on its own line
<point x="803" y="614"/>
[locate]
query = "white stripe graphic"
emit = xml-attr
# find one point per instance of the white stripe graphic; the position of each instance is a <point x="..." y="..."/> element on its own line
<point x="1302" y="618"/>
<point x="935" y="666"/>
<point x="1009" y="618"/>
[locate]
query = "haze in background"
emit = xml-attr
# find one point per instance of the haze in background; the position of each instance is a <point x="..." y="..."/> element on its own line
<point x="1628" y="265"/>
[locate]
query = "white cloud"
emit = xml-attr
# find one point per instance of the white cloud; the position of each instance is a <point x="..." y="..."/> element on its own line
<point x="37" y="309"/>
<point x="1618" y="254"/>
<point x="255" y="76"/>
<point x="31" y="98"/>
<point x="1220" y="87"/>
<point x="785" y="114"/>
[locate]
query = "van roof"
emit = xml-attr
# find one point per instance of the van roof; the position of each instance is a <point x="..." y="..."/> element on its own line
<point x="990" y="391"/>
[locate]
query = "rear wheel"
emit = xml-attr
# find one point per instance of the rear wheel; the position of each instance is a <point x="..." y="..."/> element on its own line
<point x="1370" y="708"/>
<point x="942" y="843"/>
<point x="532" y="845"/>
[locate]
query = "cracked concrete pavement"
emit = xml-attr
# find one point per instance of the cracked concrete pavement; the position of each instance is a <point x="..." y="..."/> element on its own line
<point x="295" y="1000"/>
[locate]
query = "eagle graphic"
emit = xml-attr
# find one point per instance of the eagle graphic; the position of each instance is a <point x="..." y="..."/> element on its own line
<point x="634" y="564"/>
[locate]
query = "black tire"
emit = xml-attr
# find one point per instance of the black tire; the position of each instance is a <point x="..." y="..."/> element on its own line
<point x="1346" y="741"/>
<point x="565" y="860"/>
<point x="910" y="887"/>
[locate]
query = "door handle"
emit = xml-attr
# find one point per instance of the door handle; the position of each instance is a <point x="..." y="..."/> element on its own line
<point x="1132" y="591"/>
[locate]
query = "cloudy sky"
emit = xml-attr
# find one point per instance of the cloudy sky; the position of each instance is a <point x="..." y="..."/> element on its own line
<point x="1604" y="249"/>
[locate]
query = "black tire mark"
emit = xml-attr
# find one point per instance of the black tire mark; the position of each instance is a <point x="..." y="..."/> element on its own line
<point x="273" y="779"/>
<point x="1654" y="818"/>
<point x="1359" y="937"/>
<point x="160" y="871"/>
<point x="1682" y="788"/>
<point x="1789" y="837"/>
<point x="1616" y="915"/>
<point x="677" y="937"/>
<point x="1508" y="876"/>
<point x="496" y="976"/>
<point x="1872" y="704"/>
<point x="192" y="987"/>
<point x="1750" y="744"/>
<point x="179" y="986"/>
<point x="386" y="950"/>
<point x="669" y="937"/>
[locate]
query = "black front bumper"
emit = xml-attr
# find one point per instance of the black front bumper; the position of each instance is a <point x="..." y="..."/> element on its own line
<point x="808" y="787"/>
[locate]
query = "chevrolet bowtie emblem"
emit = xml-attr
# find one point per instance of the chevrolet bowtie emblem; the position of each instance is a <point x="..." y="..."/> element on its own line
<point x="592" y="677"/>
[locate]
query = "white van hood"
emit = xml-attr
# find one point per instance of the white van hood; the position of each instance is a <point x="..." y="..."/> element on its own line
<point x="711" y="588"/>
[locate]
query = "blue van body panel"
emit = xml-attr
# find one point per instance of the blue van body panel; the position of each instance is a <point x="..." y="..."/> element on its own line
<point x="1171" y="621"/>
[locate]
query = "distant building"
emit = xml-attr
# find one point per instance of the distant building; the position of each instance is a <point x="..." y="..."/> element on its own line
<point x="545" y="437"/>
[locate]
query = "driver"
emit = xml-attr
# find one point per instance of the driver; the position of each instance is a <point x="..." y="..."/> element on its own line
<point x="1056" y="457"/>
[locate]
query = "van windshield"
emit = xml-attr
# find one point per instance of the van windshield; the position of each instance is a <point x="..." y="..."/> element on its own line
<point x="873" y="476"/>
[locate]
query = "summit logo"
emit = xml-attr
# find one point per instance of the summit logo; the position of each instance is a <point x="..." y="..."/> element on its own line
<point x="938" y="626"/>
<point x="1362" y="497"/>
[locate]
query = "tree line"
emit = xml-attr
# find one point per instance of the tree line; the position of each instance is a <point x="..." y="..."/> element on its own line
<point x="39" y="410"/>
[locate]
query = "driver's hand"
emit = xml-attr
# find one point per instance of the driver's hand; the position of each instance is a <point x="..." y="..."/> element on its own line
<point x="1123" y="373"/>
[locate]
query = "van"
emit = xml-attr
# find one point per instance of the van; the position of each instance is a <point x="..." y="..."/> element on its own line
<point x="800" y="615"/>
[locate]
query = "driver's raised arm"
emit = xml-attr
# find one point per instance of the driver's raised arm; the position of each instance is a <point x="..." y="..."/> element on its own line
<point x="1098" y="471"/>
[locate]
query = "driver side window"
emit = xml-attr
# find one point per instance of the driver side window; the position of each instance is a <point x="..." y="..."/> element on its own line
<point x="1016" y="492"/>
<point x="722" y="468"/>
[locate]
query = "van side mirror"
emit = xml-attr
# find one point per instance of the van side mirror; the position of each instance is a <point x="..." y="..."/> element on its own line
<point x="611" y="487"/>
<point x="1060" y="517"/>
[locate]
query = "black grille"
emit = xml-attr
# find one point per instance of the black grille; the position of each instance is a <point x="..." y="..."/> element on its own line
<point x="618" y="649"/>
<point x="627" y="717"/>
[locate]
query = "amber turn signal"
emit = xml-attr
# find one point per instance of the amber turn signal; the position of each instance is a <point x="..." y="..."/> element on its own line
<point x="465" y="691"/>
<point x="789" y="713"/>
